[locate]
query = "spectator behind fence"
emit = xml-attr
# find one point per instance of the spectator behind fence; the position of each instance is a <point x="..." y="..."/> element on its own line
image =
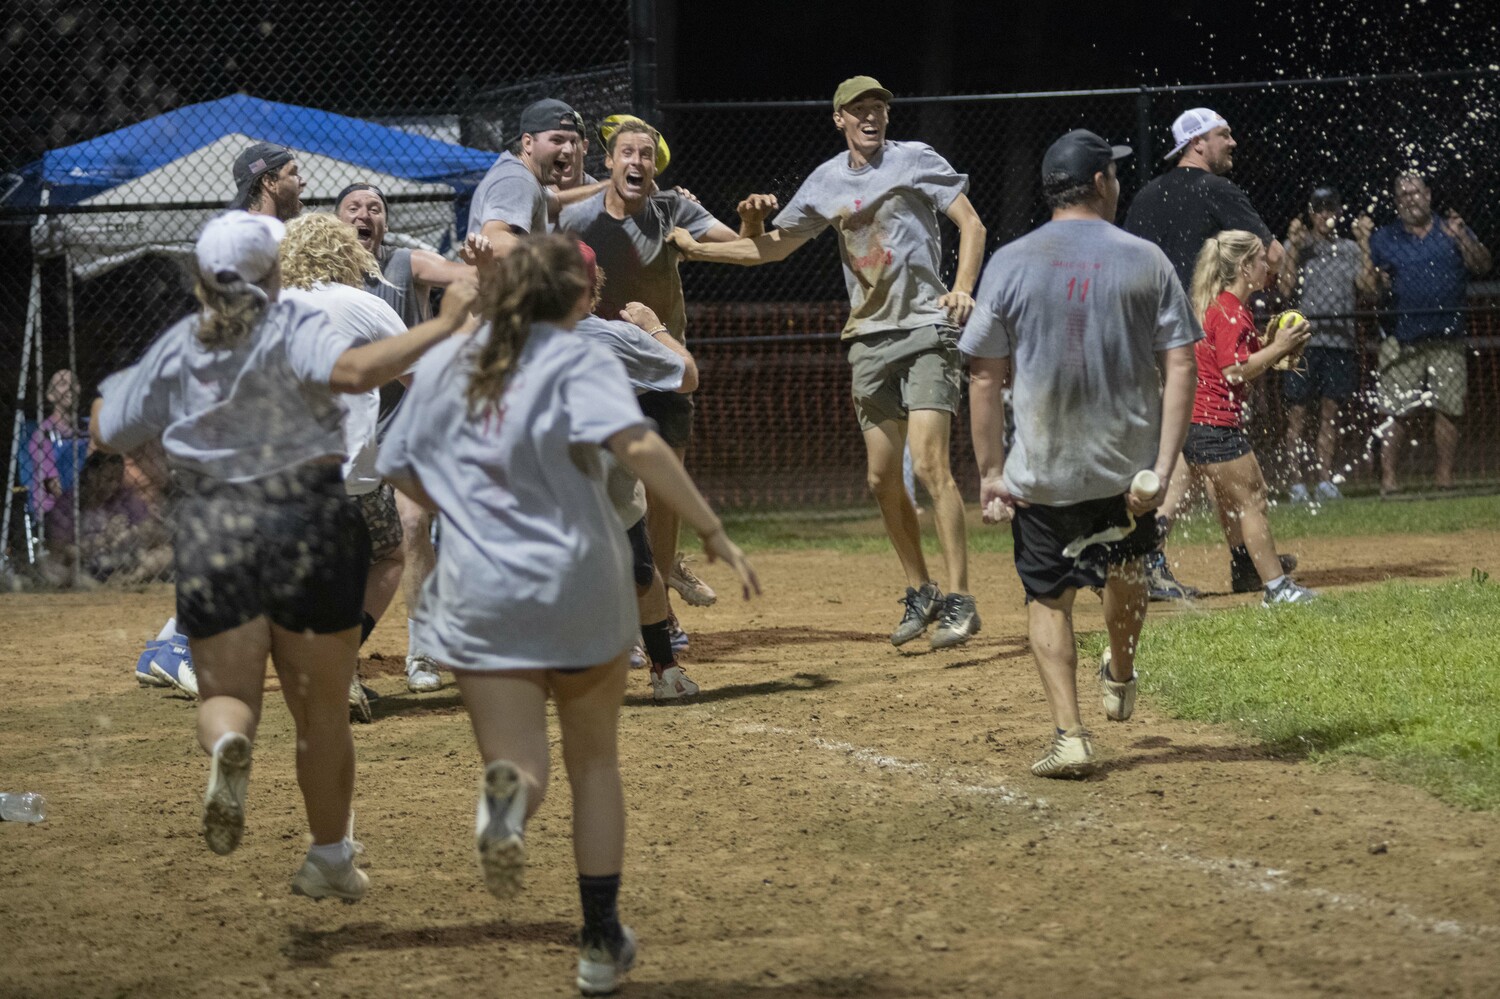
<point x="1426" y="264"/>
<point x="1322" y="273"/>
<point x="268" y="181"/>
<point x="121" y="538"/>
<point x="57" y="447"/>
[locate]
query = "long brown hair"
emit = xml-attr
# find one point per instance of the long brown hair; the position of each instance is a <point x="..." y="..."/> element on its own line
<point x="227" y="318"/>
<point x="1219" y="264"/>
<point x="539" y="281"/>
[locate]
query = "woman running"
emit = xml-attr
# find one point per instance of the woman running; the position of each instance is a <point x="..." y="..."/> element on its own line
<point x="532" y="594"/>
<point x="270" y="553"/>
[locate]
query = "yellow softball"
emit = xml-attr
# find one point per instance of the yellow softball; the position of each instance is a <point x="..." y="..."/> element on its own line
<point x="1289" y="319"/>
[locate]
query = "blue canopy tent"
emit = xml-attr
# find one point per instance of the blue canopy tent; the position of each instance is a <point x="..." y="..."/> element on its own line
<point x="149" y="187"/>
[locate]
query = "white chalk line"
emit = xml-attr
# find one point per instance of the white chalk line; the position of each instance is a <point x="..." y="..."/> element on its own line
<point x="1239" y="873"/>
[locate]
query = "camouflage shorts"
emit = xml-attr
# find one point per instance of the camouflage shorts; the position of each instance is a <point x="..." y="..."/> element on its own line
<point x="378" y="507"/>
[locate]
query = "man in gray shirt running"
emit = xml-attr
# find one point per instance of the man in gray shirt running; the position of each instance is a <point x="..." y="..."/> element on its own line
<point x="1093" y="327"/>
<point x="883" y="198"/>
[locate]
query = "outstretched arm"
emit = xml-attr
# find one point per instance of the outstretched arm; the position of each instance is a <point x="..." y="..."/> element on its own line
<point x="360" y="369"/>
<point x="769" y="248"/>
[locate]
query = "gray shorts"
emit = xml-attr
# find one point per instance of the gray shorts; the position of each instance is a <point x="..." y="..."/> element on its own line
<point x="898" y="371"/>
<point x="378" y="508"/>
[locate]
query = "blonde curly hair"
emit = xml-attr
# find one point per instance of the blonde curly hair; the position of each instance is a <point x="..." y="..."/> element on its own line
<point x="323" y="248"/>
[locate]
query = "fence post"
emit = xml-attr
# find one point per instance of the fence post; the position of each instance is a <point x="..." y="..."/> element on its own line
<point x="1142" y="138"/>
<point x="643" y="58"/>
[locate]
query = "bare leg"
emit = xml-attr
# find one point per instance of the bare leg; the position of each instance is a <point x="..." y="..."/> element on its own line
<point x="1327" y="439"/>
<point x="588" y="708"/>
<point x="1241" y="493"/>
<point x="1391" y="443"/>
<point x="231" y="668"/>
<point x="883" y="447"/>
<point x="1050" y="621"/>
<point x="662" y="527"/>
<point x="508" y="710"/>
<point x="1445" y="436"/>
<point x="417" y="555"/>
<point x="1177" y="490"/>
<point x="315" y="672"/>
<point x="1125" y="599"/>
<point x="651" y="600"/>
<point x="382" y="583"/>
<point x="929" y="431"/>
<point x="1296" y="420"/>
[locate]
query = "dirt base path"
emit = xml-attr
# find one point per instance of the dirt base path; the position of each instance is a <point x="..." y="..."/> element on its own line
<point x="831" y="818"/>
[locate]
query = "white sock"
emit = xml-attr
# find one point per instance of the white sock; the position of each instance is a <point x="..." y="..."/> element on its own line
<point x="1276" y="582"/>
<point x="167" y="630"/>
<point x="336" y="854"/>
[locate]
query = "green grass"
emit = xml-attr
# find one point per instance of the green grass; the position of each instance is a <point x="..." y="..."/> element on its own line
<point x="1406" y="675"/>
<point x="857" y="531"/>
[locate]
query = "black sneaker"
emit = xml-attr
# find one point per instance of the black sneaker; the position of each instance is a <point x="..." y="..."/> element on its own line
<point x="1163" y="585"/>
<point x="1244" y="579"/>
<point x="958" y="623"/>
<point x="922" y="608"/>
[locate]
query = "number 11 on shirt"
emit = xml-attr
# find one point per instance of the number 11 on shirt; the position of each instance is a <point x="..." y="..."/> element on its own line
<point x="1083" y="290"/>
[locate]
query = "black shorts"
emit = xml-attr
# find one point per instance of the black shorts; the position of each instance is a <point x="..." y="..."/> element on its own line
<point x="641" y="563"/>
<point x="1206" y="445"/>
<point x="1042" y="532"/>
<point x="292" y="547"/>
<point x="673" y="413"/>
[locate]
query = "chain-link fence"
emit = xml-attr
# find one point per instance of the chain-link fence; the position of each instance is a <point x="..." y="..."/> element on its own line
<point x="118" y="127"/>
<point x="775" y="425"/>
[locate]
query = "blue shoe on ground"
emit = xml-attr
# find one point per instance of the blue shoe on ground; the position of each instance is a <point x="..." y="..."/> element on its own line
<point x="143" y="674"/>
<point x="174" y="664"/>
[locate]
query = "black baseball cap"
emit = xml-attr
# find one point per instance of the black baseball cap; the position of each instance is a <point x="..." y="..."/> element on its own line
<point x="1077" y="156"/>
<point x="549" y="115"/>
<point x="1325" y="197"/>
<point x="252" y="162"/>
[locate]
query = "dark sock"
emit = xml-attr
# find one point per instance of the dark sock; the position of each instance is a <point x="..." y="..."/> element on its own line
<point x="1240" y="555"/>
<point x="599" y="894"/>
<point x="658" y="641"/>
<point x="365" y="627"/>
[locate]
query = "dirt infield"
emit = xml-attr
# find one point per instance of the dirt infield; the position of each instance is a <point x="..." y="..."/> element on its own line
<point x="831" y="818"/>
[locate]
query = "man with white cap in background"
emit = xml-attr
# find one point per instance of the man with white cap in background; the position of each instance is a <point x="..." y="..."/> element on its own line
<point x="1178" y="211"/>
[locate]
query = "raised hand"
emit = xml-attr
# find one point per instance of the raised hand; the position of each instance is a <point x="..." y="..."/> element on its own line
<point x="641" y="315"/>
<point x="756" y="207"/>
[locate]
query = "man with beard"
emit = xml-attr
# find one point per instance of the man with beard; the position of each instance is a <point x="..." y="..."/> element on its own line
<point x="513" y="199"/>
<point x="268" y="181"/>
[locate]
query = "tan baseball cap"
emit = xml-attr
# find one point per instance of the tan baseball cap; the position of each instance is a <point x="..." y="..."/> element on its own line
<point x="857" y="86"/>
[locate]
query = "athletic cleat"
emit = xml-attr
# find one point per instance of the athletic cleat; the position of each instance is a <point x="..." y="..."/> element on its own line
<point x="1288" y="592"/>
<point x="694" y="590"/>
<point x="174" y="664"/>
<point x="958" y="622"/>
<point x="421" y="675"/>
<point x="318" y="879"/>
<point x="224" y="801"/>
<point x="1328" y="491"/>
<point x="679" y="637"/>
<point x="1299" y="494"/>
<point x="1071" y="755"/>
<point x="1242" y="575"/>
<point x="922" y="607"/>
<point x="143" y="674"/>
<point x="1119" y="698"/>
<point x="500" y="829"/>
<point x="671" y="684"/>
<point x="601" y="964"/>
<point x="359" y="702"/>
<point x="1163" y="585"/>
<point x="638" y="656"/>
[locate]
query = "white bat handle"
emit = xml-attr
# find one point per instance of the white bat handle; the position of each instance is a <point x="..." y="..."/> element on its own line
<point x="1145" y="484"/>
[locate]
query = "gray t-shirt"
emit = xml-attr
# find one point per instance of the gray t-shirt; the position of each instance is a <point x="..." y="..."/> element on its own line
<point x="651" y="366"/>
<point x="399" y="289"/>
<point x="886" y="214"/>
<point x="240" y="413"/>
<point x="534" y="571"/>
<point x="1326" y="272"/>
<point x="509" y="193"/>
<point x="639" y="264"/>
<point x="1082" y="309"/>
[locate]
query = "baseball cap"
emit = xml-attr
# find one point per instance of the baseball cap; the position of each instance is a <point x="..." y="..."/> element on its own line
<point x="255" y="160"/>
<point x="549" y="115"/>
<point x="1077" y="156"/>
<point x="1325" y="197"/>
<point x="1191" y="124"/>
<point x="857" y="86"/>
<point x="238" y="249"/>
<point x="611" y="125"/>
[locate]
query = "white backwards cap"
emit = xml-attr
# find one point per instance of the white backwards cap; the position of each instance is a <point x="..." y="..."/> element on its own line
<point x="238" y="249"/>
<point x="1191" y="124"/>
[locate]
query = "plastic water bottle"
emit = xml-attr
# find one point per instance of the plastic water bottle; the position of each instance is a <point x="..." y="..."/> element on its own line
<point x="25" y="807"/>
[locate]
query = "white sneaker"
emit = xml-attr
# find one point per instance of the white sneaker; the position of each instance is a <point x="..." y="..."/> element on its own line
<point x="1288" y="592"/>
<point x="671" y="684"/>
<point x="1119" y="698"/>
<point x="600" y="966"/>
<point x="1071" y="755"/>
<point x="500" y="829"/>
<point x="422" y="675"/>
<point x="224" y="801"/>
<point x="359" y="704"/>
<point x="637" y="657"/>
<point x="694" y="590"/>
<point x="1298" y="494"/>
<point x="1328" y="491"/>
<point x="318" y="879"/>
